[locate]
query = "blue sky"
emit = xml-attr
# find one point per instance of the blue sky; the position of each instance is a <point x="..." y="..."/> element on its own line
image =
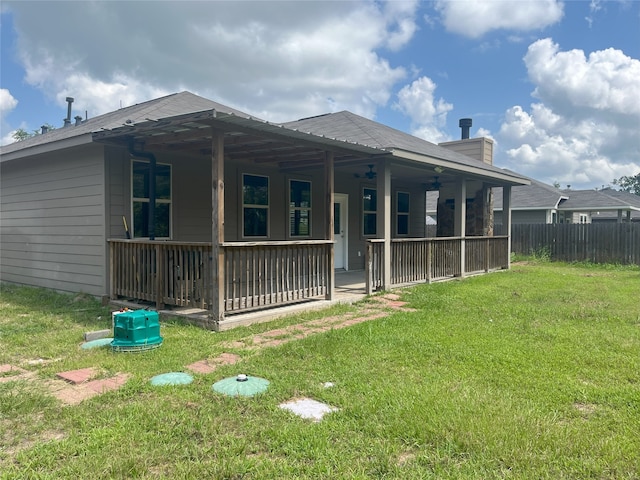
<point x="555" y="84"/>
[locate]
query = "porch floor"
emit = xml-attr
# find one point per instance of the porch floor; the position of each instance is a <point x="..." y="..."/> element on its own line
<point x="349" y="288"/>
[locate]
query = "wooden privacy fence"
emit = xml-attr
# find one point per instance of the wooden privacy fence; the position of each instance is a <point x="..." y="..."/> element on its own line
<point x="598" y="243"/>
<point x="257" y="274"/>
<point x="415" y="260"/>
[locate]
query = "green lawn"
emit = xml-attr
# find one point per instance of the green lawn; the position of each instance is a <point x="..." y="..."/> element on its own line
<point x="531" y="373"/>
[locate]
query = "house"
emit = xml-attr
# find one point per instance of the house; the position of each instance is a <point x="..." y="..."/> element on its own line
<point x="534" y="203"/>
<point x="600" y="206"/>
<point x="542" y="203"/>
<point x="185" y="202"/>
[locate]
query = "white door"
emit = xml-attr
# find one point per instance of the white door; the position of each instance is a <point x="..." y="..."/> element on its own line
<point x="340" y="234"/>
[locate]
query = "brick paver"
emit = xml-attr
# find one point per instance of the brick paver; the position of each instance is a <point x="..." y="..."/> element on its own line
<point x="78" y="376"/>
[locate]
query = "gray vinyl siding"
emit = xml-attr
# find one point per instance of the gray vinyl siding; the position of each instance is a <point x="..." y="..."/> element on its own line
<point x="53" y="211"/>
<point x="118" y="193"/>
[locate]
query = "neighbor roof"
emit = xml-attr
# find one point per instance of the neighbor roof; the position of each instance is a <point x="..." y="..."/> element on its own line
<point x="537" y="196"/>
<point x="583" y="200"/>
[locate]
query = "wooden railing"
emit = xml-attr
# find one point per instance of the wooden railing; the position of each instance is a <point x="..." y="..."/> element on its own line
<point x="261" y="274"/>
<point x="415" y="260"/>
<point x="257" y="274"/>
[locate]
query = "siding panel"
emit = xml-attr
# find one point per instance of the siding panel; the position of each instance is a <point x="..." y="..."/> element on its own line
<point x="52" y="233"/>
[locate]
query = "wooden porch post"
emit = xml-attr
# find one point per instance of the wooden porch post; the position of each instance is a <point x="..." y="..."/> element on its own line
<point x="460" y="221"/>
<point x="383" y="226"/>
<point x="506" y="220"/>
<point x="329" y="232"/>
<point x="217" y="228"/>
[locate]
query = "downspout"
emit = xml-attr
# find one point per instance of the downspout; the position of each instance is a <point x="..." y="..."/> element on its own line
<point x="152" y="187"/>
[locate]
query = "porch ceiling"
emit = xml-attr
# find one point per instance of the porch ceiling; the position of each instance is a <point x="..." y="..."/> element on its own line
<point x="254" y="140"/>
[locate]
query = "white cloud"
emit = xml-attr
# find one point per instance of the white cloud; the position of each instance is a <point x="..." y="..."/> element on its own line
<point x="7" y="104"/>
<point x="584" y="130"/>
<point x="474" y="19"/>
<point x="276" y="60"/>
<point x="605" y="81"/>
<point x="428" y="115"/>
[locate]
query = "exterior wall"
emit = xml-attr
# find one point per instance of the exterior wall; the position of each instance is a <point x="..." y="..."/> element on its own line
<point x="118" y="171"/>
<point x="53" y="221"/>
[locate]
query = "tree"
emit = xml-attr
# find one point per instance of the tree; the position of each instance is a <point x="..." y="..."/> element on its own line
<point x="21" y="134"/>
<point x="629" y="184"/>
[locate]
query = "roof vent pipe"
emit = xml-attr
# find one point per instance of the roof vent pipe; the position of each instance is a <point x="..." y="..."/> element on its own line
<point x="44" y="128"/>
<point x="67" y="121"/>
<point x="465" y="125"/>
<point x="78" y="119"/>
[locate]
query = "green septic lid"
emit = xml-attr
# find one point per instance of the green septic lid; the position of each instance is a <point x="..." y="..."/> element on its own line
<point x="100" y="342"/>
<point x="172" y="378"/>
<point x="241" y="385"/>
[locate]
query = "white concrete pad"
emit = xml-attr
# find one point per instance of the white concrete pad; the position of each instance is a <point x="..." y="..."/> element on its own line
<point x="308" y="408"/>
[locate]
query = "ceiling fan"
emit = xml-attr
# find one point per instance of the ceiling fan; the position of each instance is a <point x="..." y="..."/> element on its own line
<point x="435" y="184"/>
<point x="370" y="174"/>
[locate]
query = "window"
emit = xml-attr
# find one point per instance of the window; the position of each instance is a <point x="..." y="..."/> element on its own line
<point x="299" y="208"/>
<point x="140" y="199"/>
<point x="402" y="213"/>
<point x="255" y="206"/>
<point x="584" y="218"/>
<point x="369" y="209"/>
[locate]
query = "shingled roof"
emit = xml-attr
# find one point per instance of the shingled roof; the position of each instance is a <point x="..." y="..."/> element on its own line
<point x="353" y="128"/>
<point x="537" y="196"/>
<point x="163" y="107"/>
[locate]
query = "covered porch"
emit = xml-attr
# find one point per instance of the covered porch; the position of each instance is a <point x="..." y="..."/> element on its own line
<point x="364" y="213"/>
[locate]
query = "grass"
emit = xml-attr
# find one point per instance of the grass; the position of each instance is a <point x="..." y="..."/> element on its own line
<point x="531" y="373"/>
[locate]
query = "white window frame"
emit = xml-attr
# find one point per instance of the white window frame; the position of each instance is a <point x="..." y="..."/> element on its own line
<point x="583" y="218"/>
<point x="249" y="205"/>
<point x="158" y="200"/>
<point x="293" y="209"/>
<point x="403" y="214"/>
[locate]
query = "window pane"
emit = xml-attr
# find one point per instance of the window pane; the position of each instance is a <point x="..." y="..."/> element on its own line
<point x="403" y="202"/>
<point x="163" y="182"/>
<point x="140" y="219"/>
<point x="140" y="180"/>
<point x="255" y="190"/>
<point x="403" y="224"/>
<point x="300" y="220"/>
<point x="370" y="223"/>
<point x="369" y="202"/>
<point x="336" y="219"/>
<point x="255" y="222"/>
<point x="163" y="216"/>
<point x="300" y="194"/>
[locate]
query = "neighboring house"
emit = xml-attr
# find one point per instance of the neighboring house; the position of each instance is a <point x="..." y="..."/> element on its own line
<point x="534" y="203"/>
<point x="599" y="206"/>
<point x="542" y="203"/>
<point x="183" y="201"/>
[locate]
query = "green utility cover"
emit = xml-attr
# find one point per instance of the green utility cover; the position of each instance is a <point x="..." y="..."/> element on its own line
<point x="171" y="378"/>
<point x="235" y="386"/>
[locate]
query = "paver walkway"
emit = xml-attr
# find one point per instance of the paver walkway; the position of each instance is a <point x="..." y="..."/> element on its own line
<point x="72" y="387"/>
